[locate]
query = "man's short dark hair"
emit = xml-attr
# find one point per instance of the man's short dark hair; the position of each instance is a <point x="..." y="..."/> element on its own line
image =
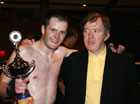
<point x="58" y="15"/>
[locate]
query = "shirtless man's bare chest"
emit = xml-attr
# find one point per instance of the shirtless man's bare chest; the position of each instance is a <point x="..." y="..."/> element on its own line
<point x="43" y="80"/>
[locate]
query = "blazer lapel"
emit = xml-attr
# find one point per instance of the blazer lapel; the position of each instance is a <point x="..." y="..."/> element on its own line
<point x="84" y="64"/>
<point x="107" y="79"/>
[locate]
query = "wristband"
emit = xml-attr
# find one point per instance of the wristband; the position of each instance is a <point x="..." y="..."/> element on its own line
<point x="11" y="89"/>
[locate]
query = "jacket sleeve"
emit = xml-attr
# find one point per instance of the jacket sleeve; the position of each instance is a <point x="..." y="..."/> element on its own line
<point x="133" y="82"/>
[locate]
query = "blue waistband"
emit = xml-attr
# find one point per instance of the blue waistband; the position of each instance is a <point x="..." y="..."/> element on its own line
<point x="23" y="96"/>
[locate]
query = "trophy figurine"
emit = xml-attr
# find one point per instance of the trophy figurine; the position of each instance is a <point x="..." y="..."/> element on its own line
<point x="19" y="68"/>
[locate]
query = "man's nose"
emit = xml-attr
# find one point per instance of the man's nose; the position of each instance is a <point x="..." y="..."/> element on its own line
<point x="57" y="35"/>
<point x="91" y="34"/>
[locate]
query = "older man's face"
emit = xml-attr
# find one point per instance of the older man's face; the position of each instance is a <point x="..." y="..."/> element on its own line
<point x="94" y="36"/>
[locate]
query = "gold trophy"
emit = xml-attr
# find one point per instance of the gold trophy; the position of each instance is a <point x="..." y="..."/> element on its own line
<point x="19" y="68"/>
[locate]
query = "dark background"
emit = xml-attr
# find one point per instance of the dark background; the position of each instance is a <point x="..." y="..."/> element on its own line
<point x="25" y="15"/>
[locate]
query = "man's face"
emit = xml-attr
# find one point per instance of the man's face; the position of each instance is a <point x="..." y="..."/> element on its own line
<point x="94" y="36"/>
<point x="55" y="33"/>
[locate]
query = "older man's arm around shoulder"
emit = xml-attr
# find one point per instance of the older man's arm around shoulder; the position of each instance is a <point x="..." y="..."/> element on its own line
<point x="65" y="51"/>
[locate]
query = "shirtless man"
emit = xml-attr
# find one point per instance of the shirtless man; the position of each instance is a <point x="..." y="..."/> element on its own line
<point x="48" y="58"/>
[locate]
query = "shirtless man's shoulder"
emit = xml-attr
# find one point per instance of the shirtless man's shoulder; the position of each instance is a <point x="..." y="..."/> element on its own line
<point x="26" y="49"/>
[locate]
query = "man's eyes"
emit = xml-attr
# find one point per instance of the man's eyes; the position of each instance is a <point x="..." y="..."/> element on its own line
<point x="96" y="31"/>
<point x="86" y="31"/>
<point x="53" y="30"/>
<point x="63" y="32"/>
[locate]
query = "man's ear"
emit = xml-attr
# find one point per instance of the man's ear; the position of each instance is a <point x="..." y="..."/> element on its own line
<point x="43" y="29"/>
<point x="107" y="37"/>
